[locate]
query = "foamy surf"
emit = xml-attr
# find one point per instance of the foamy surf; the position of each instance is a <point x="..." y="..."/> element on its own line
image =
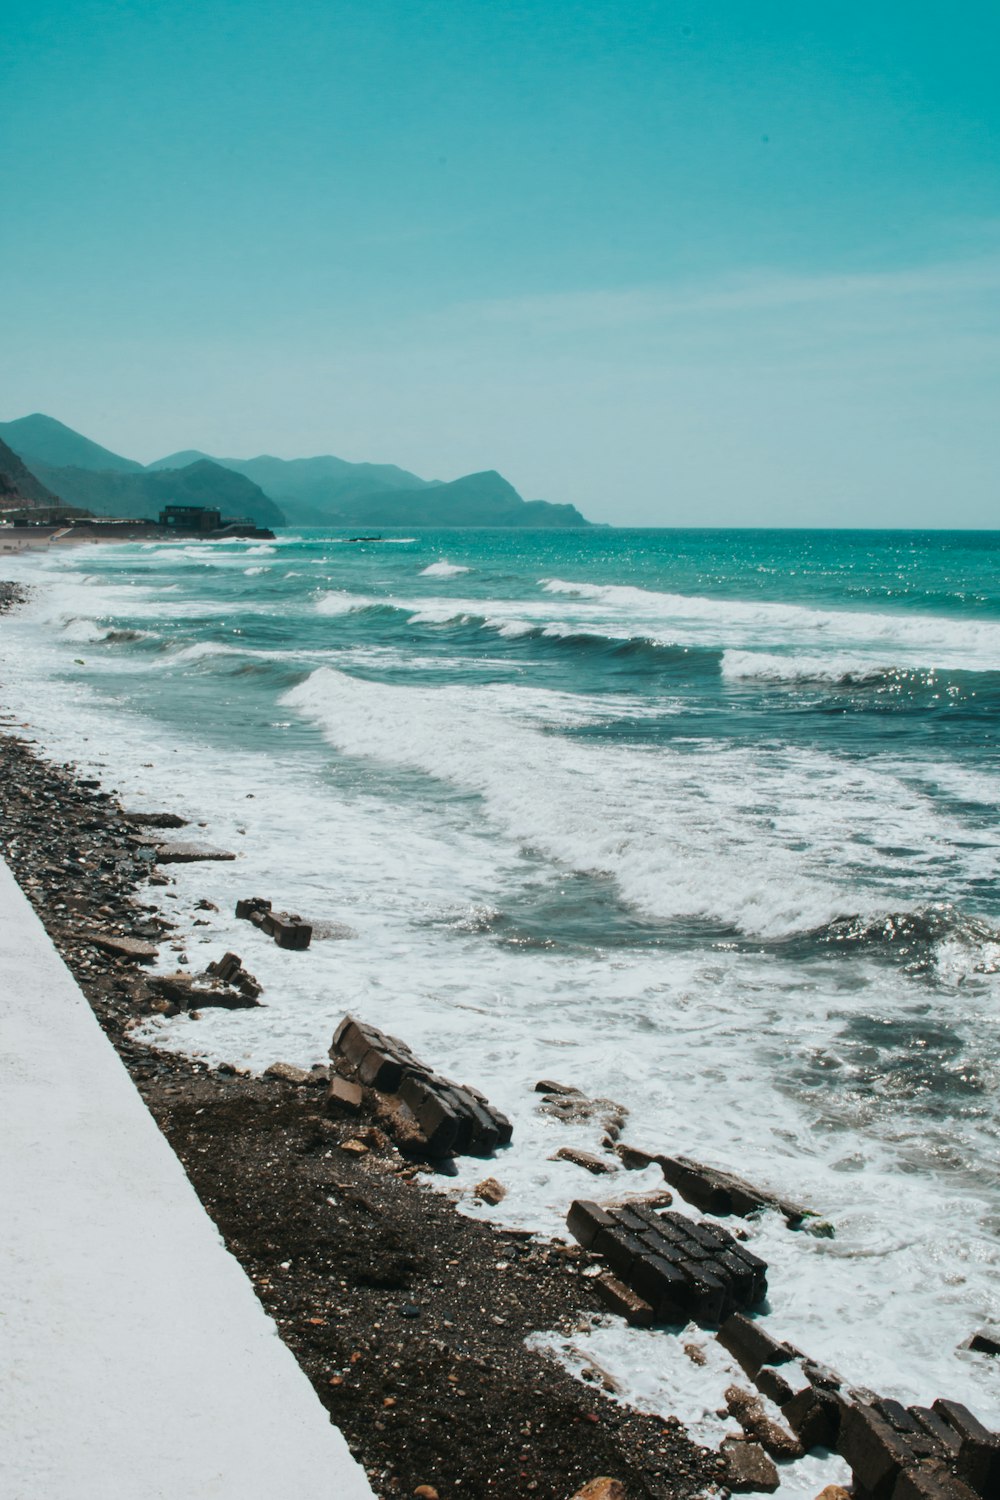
<point x="443" y="569"/>
<point x="559" y="860"/>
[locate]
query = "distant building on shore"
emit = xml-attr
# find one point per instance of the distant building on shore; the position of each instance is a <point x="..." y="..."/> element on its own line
<point x="203" y="520"/>
<point x="191" y="518"/>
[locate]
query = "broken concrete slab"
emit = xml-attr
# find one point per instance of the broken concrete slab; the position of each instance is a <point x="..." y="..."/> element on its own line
<point x="750" y="1413"/>
<point x="345" y="1097"/>
<point x="119" y="946"/>
<point x="984" y="1341"/>
<point x="876" y="1453"/>
<point x="187" y="854"/>
<point x="682" y="1268"/>
<point x="621" y="1299"/>
<point x="751" y="1345"/>
<point x="156" y="819"/>
<point x="714" y="1191"/>
<point x="289" y="1073"/>
<point x="978" y="1461"/>
<point x="586" y="1159"/>
<point x="195" y="991"/>
<point x="748" y="1468"/>
<point x="424" y="1111"/>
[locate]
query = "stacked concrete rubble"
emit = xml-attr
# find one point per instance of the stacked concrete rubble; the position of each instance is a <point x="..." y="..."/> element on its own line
<point x="427" y="1113"/>
<point x="895" y="1452"/>
<point x="679" y="1268"/>
<point x="287" y="928"/>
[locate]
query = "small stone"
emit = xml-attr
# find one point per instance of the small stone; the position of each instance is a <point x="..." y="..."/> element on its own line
<point x="602" y="1489"/>
<point x="355" y="1147"/>
<point x="585" y="1159"/>
<point x="426" y="1492"/>
<point x="490" y="1191"/>
<point x="288" y="1073"/>
<point x="695" y="1354"/>
<point x="833" y="1492"/>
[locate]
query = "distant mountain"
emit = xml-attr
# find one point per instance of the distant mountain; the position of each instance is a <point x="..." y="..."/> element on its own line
<point x="485" y="499"/>
<point x="311" y="491"/>
<point x="143" y="495"/>
<point x="43" y="440"/>
<point x="329" y="491"/>
<point x="18" y="486"/>
<point x="322" y="491"/>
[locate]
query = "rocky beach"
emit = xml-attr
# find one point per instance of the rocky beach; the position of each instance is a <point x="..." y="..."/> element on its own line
<point x="408" y="1318"/>
<point x="457" y="1356"/>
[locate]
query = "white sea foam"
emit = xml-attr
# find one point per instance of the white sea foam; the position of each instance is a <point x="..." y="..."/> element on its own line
<point x="764" y="666"/>
<point x="509" y="628"/>
<point x="342" y="602"/>
<point x="927" y="640"/>
<point x="768" y="841"/>
<point x="83" y="630"/>
<point x="443" y="569"/>
<point x="706" y="1045"/>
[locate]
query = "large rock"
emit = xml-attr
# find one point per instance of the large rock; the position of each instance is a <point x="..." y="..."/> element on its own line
<point x="748" y="1468"/>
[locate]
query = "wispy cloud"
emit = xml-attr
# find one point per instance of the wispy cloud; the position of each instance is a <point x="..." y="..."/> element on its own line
<point x="763" y="291"/>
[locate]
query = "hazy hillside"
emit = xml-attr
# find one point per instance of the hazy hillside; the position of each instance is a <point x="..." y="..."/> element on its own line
<point x="311" y="491"/>
<point x="143" y="495"/>
<point x="328" y="491"/>
<point x="18" y="486"/>
<point x="321" y="491"/>
<point x="485" y="499"/>
<point x="43" y="440"/>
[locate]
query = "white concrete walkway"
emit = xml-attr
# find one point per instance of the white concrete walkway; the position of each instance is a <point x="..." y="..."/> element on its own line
<point x="135" y="1361"/>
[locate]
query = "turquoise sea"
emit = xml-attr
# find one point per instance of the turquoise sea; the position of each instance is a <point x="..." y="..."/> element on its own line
<point x="703" y="821"/>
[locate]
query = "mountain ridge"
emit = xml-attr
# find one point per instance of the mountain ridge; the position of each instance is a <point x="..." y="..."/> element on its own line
<point x="44" y="440"/>
<point x="18" y="486"/>
<point x="323" y="490"/>
<point x="143" y="495"/>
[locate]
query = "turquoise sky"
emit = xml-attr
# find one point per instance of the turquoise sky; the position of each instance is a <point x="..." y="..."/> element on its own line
<point x="677" y="263"/>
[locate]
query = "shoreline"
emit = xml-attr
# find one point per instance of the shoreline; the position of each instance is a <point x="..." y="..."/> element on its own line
<point x="374" y="1280"/>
